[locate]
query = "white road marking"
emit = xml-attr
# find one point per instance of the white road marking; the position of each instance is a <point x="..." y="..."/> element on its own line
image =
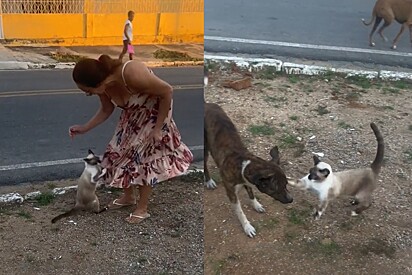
<point x="60" y="162"/>
<point x="77" y="91"/>
<point x="306" y="46"/>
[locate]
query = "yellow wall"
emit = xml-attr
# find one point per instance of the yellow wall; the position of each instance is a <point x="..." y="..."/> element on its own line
<point x="104" y="29"/>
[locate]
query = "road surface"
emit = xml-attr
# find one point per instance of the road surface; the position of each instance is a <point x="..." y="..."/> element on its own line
<point x="326" y="30"/>
<point x="37" y="108"/>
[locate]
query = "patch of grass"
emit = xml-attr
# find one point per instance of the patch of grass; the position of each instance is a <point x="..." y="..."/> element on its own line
<point x="326" y="247"/>
<point x="141" y="260"/>
<point x="389" y="90"/>
<point x="166" y="55"/>
<point x="400" y="84"/>
<point x="297" y="216"/>
<point x="275" y="99"/>
<point x="378" y="247"/>
<point x="288" y="140"/>
<point x="360" y="81"/>
<point x="410" y="127"/>
<point x="261" y="130"/>
<point x="322" y="110"/>
<point x="67" y="57"/>
<point x="300" y="149"/>
<point x="268" y="72"/>
<point x="328" y="75"/>
<point x="218" y="266"/>
<point x="293" y="79"/>
<point x="93" y="243"/>
<point x="268" y="223"/>
<point x="30" y="258"/>
<point x="197" y="176"/>
<point x="294" y="118"/>
<point x="388" y="108"/>
<point x="51" y="185"/>
<point x="4" y="211"/>
<point x="212" y="66"/>
<point x="282" y="124"/>
<point x="408" y="154"/>
<point x="24" y="214"/>
<point x="344" y="125"/>
<point x="45" y="198"/>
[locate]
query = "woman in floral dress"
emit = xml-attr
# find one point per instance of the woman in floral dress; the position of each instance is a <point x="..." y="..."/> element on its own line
<point x="146" y="147"/>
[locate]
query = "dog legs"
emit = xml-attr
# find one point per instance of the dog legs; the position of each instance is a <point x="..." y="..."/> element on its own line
<point x="363" y="200"/>
<point x="237" y="208"/>
<point x="321" y="209"/>
<point x="256" y="205"/>
<point x="209" y="182"/>
<point x="384" y="26"/>
<point x="395" y="41"/>
<point x="375" y="26"/>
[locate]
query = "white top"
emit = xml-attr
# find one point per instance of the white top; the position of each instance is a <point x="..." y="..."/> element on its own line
<point x="129" y="30"/>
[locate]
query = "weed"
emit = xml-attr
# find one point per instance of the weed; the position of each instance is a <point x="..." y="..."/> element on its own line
<point x="291" y="235"/>
<point x="326" y="247"/>
<point x="218" y="266"/>
<point x="51" y="185"/>
<point x="388" y="108"/>
<point x="67" y="57"/>
<point x="268" y="223"/>
<point x="30" y="258"/>
<point x="268" y="72"/>
<point x="389" y="90"/>
<point x="408" y="154"/>
<point x="297" y="216"/>
<point x="293" y="79"/>
<point x="294" y="118"/>
<point x="321" y="110"/>
<point x="45" y="198"/>
<point x="360" y="81"/>
<point x="400" y="84"/>
<point x="275" y="99"/>
<point x="173" y="56"/>
<point x="24" y="214"/>
<point x="353" y="96"/>
<point x="344" y="125"/>
<point x="410" y="127"/>
<point x="264" y="130"/>
<point x="288" y="140"/>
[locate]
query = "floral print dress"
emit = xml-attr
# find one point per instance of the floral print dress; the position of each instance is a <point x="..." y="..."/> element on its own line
<point x="132" y="160"/>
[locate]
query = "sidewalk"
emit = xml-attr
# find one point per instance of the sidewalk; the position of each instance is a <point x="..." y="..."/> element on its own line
<point x="35" y="57"/>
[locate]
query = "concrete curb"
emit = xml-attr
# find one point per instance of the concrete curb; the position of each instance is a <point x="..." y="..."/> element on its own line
<point x="256" y="64"/>
<point x="20" y="198"/>
<point x="18" y="65"/>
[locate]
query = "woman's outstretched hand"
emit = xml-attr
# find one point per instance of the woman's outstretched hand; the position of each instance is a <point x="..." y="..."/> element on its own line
<point x="77" y="130"/>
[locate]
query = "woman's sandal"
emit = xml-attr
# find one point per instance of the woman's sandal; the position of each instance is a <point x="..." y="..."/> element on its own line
<point x="116" y="205"/>
<point x="135" y="219"/>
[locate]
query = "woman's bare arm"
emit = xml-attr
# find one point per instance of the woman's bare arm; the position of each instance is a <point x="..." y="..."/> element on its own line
<point x="104" y="112"/>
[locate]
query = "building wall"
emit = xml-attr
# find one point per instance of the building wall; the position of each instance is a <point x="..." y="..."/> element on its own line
<point x="100" y="22"/>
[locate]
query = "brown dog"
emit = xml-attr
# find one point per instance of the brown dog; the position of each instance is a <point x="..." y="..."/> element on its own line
<point x="389" y="10"/>
<point x="240" y="168"/>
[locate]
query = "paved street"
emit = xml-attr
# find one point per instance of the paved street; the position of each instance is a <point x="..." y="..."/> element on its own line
<point x="37" y="107"/>
<point x="300" y="29"/>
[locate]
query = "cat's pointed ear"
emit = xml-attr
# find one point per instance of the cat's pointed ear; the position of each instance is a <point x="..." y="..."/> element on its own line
<point x="90" y="152"/>
<point x="316" y="160"/>
<point x="274" y="153"/>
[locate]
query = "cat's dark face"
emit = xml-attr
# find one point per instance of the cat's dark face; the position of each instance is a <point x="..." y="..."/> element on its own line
<point x="92" y="159"/>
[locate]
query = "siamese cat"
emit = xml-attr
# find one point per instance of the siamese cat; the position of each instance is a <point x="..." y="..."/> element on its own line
<point x="357" y="183"/>
<point x="86" y="198"/>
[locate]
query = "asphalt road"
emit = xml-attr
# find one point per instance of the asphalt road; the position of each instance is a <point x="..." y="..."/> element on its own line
<point x="37" y="108"/>
<point x="321" y="22"/>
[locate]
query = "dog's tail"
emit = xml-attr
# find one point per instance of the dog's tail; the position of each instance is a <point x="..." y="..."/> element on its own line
<point x="377" y="163"/>
<point x="67" y="214"/>
<point x="372" y="19"/>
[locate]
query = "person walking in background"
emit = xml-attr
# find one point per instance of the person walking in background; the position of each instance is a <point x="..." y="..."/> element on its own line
<point x="128" y="36"/>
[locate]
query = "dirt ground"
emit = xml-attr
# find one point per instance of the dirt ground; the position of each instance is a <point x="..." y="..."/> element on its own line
<point x="323" y="114"/>
<point x="169" y="242"/>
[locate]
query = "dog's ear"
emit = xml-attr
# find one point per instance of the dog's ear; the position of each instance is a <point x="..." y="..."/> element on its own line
<point x="324" y="172"/>
<point x="260" y="180"/>
<point x="90" y="152"/>
<point x="316" y="160"/>
<point x="274" y="153"/>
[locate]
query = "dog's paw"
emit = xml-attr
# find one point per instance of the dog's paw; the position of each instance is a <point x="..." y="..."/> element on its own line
<point x="249" y="230"/>
<point x="257" y="206"/>
<point x="372" y="44"/>
<point x="354" y="202"/>
<point x="210" y="184"/>
<point x="393" y="47"/>
<point x="354" y="214"/>
<point x="317" y="215"/>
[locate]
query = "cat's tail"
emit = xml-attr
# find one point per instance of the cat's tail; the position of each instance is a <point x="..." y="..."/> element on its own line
<point x="377" y="163"/>
<point x="67" y="214"/>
